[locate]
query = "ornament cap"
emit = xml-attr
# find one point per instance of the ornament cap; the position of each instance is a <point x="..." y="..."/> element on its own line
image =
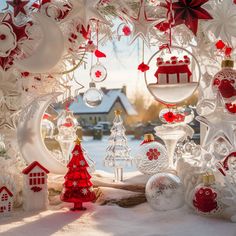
<point x="148" y="137"/>
<point x="92" y="85"/>
<point x="208" y="179"/>
<point x="117" y="112"/>
<point x="227" y="63"/>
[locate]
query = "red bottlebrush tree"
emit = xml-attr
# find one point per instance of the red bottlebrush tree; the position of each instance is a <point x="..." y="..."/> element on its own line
<point x="77" y="187"/>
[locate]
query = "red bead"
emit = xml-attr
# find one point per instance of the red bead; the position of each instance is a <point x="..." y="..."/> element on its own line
<point x="3" y="37"/>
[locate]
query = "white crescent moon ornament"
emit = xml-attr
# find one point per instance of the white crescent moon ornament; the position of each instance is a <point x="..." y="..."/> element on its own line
<point x="50" y="50"/>
<point x="31" y="144"/>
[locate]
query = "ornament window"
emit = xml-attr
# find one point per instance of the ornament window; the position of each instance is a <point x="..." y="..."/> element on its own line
<point x="4" y="197"/>
<point x="36" y="178"/>
<point x="9" y="206"/>
<point x="2" y="209"/>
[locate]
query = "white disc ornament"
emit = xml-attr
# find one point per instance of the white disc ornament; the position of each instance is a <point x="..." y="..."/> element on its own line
<point x="164" y="191"/>
<point x="173" y="76"/>
<point x="93" y="97"/>
<point x="151" y="157"/>
<point x="98" y="72"/>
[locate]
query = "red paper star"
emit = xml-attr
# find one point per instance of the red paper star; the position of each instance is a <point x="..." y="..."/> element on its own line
<point x="18" y="5"/>
<point x="188" y="12"/>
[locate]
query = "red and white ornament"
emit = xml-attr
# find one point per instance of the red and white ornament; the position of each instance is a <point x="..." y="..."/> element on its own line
<point x="224" y="82"/>
<point x="151" y="157"/>
<point x="6" y="200"/>
<point x="98" y="72"/>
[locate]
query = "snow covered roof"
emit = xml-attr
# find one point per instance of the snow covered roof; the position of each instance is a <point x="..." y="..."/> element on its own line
<point x="109" y="99"/>
<point x="7" y="190"/>
<point x="31" y="167"/>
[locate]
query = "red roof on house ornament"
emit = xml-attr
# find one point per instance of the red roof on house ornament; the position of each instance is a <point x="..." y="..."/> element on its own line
<point x="32" y="166"/>
<point x="7" y="190"/>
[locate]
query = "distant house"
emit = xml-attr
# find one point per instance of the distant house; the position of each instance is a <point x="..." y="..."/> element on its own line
<point x="113" y="99"/>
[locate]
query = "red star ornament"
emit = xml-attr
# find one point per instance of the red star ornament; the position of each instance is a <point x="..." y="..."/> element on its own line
<point x="18" y="5"/>
<point x="188" y="12"/>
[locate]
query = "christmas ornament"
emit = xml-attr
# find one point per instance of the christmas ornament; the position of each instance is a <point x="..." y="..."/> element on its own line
<point x="98" y="73"/>
<point x="90" y="162"/>
<point x="222" y="25"/>
<point x="118" y="152"/>
<point x="123" y="30"/>
<point x="151" y="157"/>
<point x="99" y="54"/>
<point x="171" y="134"/>
<point x="47" y="127"/>
<point x="93" y="97"/>
<point x="11" y="37"/>
<point x="31" y="144"/>
<point x="205" y="199"/>
<point x="42" y="59"/>
<point x="164" y="191"/>
<point x="18" y="5"/>
<point x="224" y="82"/>
<point x="67" y="125"/>
<point x="77" y="187"/>
<point x="143" y="67"/>
<point x="188" y="13"/>
<point x="142" y="25"/>
<point x="172" y="81"/>
<point x="35" y="189"/>
<point x="6" y="200"/>
<point x="86" y="10"/>
<point x="219" y="124"/>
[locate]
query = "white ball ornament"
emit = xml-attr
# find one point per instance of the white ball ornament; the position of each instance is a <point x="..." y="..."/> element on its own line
<point x="164" y="191"/>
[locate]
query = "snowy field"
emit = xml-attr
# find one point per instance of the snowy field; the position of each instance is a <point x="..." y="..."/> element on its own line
<point x="114" y="221"/>
<point x="97" y="150"/>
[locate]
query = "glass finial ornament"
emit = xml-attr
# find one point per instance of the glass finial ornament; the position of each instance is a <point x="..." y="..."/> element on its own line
<point x="93" y="96"/>
<point x="164" y="191"/>
<point x="67" y="125"/>
<point x="98" y="72"/>
<point x="206" y="196"/>
<point x="151" y="156"/>
<point x="47" y="127"/>
<point x="118" y="152"/>
<point x="173" y="76"/>
<point x="224" y="83"/>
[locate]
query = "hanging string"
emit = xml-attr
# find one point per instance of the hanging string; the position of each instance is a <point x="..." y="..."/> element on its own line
<point x="143" y="51"/>
<point x="97" y="37"/>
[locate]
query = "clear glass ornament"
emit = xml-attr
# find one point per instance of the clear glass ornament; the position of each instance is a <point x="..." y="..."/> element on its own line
<point x="118" y="152"/>
<point x="151" y="156"/>
<point x="98" y="73"/>
<point x="224" y="83"/>
<point x="164" y="191"/>
<point x="93" y="97"/>
<point x="67" y="125"/>
<point x="47" y="128"/>
<point x="173" y="76"/>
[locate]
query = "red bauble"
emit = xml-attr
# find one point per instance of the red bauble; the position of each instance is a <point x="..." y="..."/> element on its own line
<point x="205" y="199"/>
<point x="77" y="187"/>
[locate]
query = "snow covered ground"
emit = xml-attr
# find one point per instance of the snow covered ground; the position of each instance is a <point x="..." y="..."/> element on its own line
<point x="114" y="221"/>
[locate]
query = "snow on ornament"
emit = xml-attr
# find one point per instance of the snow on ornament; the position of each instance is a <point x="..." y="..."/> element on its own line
<point x="151" y="156"/>
<point x="93" y="97"/>
<point x="173" y="76"/>
<point x="98" y="73"/>
<point x="224" y="82"/>
<point x="164" y="191"/>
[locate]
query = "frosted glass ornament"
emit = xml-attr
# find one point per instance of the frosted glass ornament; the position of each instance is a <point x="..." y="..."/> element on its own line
<point x="173" y="76"/>
<point x="164" y="191"/>
<point x="151" y="156"/>
<point x="93" y="97"/>
<point x="98" y="73"/>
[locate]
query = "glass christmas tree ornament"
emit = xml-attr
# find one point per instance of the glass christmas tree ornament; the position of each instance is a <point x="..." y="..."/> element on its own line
<point x="164" y="191"/>
<point x="93" y="97"/>
<point x="224" y="83"/>
<point x="67" y="125"/>
<point x="151" y="157"/>
<point x="98" y="73"/>
<point x="173" y="76"/>
<point x="118" y="152"/>
<point x="206" y="196"/>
